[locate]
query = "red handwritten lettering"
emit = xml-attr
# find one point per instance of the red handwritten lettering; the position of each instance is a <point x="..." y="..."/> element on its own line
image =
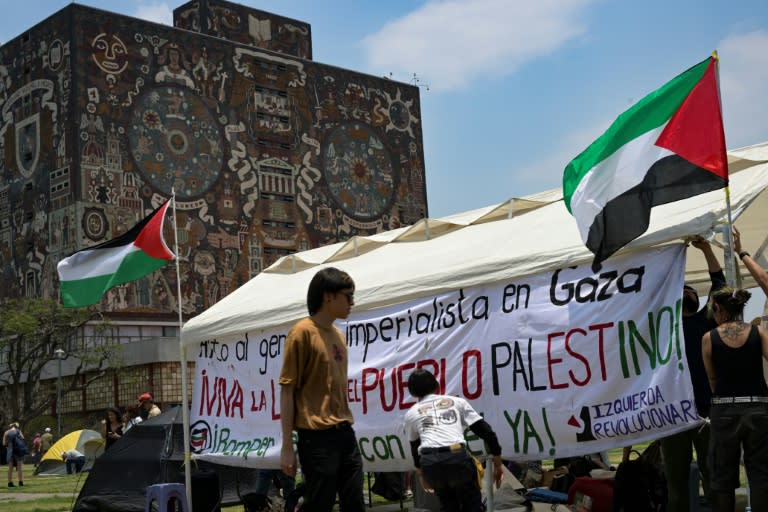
<point x="477" y="356"/>
<point x="402" y="383"/>
<point x="584" y="361"/>
<point x="570" y="339"/>
<point x="552" y="361"/>
<point x="275" y="415"/>
<point x="221" y="395"/>
<point x="392" y="384"/>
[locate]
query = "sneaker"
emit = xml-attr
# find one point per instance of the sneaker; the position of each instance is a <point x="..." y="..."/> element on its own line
<point x="10" y="484"/>
<point x="21" y="484"/>
<point x="408" y="494"/>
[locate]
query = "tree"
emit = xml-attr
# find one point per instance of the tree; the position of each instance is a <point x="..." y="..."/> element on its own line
<point x="31" y="331"/>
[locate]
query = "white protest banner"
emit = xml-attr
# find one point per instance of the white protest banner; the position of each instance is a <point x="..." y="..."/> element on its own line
<point x="560" y="363"/>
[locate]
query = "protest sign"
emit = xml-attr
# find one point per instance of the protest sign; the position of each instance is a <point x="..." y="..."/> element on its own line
<point x="559" y="363"/>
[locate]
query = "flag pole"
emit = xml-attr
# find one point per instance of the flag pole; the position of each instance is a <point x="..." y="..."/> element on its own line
<point x="730" y="267"/>
<point x="183" y="361"/>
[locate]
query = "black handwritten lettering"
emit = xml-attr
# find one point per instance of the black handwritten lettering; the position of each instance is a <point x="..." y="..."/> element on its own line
<point x="515" y="291"/>
<point x="270" y="348"/>
<point x="590" y="289"/>
<point x="212" y="349"/>
<point x="241" y="349"/>
<point x="502" y="355"/>
<point x="440" y="316"/>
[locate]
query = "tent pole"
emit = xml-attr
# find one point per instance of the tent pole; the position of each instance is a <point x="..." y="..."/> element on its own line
<point x="488" y="483"/>
<point x="730" y="267"/>
<point x="730" y="264"/>
<point x="184" y="369"/>
<point x="185" y="423"/>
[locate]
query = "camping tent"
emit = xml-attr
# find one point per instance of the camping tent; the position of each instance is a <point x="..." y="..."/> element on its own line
<point x="149" y="453"/>
<point x="88" y="442"/>
<point x="519" y="237"/>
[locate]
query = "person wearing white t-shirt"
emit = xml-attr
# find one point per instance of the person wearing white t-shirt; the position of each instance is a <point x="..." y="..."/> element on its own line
<point x="74" y="461"/>
<point x="435" y="428"/>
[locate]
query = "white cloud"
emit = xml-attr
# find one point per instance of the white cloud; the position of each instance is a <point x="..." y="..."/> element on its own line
<point x="449" y="43"/>
<point x="156" y="12"/>
<point x="744" y="87"/>
<point x="744" y="91"/>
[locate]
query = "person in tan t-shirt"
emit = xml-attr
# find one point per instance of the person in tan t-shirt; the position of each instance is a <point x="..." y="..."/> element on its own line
<point x="313" y="399"/>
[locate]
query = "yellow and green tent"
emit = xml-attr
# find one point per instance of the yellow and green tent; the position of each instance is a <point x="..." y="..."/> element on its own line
<point x="88" y="442"/>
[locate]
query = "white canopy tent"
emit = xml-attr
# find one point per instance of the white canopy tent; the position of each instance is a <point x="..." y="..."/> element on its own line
<point x="519" y="237"/>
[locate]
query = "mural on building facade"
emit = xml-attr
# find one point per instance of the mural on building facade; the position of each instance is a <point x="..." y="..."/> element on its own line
<point x="267" y="154"/>
<point x="34" y="94"/>
<point x="244" y="25"/>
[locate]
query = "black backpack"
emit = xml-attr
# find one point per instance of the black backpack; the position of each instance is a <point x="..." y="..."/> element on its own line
<point x="640" y="484"/>
<point x="19" y="446"/>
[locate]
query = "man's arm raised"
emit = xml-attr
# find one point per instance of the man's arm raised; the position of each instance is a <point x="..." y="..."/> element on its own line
<point x="758" y="273"/>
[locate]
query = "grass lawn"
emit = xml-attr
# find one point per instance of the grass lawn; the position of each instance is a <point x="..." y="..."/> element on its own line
<point x="65" y="489"/>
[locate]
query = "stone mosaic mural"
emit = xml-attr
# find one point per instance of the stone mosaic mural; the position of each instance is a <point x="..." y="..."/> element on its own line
<point x="244" y="25"/>
<point x="268" y="153"/>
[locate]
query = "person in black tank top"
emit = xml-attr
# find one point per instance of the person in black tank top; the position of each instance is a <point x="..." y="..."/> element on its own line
<point x="739" y="413"/>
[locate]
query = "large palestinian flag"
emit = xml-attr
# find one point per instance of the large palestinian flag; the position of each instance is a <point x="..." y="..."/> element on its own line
<point x="87" y="274"/>
<point x="667" y="147"/>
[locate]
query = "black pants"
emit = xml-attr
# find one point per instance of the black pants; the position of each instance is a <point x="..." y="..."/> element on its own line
<point x="737" y="427"/>
<point x="77" y="462"/>
<point x="453" y="475"/>
<point x="331" y="464"/>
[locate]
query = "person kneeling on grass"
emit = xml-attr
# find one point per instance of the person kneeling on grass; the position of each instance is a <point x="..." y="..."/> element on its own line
<point x="73" y="459"/>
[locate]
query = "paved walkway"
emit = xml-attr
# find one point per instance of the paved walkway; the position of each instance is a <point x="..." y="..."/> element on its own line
<point x="28" y="496"/>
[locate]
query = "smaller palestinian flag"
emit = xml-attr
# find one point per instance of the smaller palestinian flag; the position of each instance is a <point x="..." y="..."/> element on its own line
<point x="88" y="273"/>
<point x="667" y="147"/>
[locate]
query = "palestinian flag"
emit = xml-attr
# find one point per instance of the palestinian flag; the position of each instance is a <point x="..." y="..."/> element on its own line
<point x="87" y="274"/>
<point x="667" y="147"/>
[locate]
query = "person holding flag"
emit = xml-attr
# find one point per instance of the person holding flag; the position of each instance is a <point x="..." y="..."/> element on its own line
<point x="87" y="274"/>
<point x="667" y="147"/>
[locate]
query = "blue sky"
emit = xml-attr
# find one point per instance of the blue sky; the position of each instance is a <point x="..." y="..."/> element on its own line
<point x="516" y="88"/>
